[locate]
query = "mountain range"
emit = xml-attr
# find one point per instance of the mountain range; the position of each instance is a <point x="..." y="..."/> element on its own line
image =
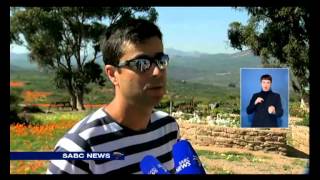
<point x="213" y="69"/>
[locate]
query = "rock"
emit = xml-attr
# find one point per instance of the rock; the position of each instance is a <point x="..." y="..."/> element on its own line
<point x="270" y="149"/>
<point x="252" y="133"/>
<point x="248" y="138"/>
<point x="258" y="138"/>
<point x="283" y="153"/>
<point x="282" y="149"/>
<point x="281" y="139"/>
<point x="231" y="130"/>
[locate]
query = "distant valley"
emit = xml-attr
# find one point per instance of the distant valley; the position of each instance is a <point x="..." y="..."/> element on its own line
<point x="193" y="67"/>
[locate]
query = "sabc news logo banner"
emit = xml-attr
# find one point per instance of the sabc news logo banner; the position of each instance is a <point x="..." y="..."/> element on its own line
<point x="66" y="156"/>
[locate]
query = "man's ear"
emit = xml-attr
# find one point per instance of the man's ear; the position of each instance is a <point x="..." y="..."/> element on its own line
<point x="111" y="72"/>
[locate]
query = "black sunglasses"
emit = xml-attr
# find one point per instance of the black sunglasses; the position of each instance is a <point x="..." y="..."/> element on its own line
<point x="143" y="63"/>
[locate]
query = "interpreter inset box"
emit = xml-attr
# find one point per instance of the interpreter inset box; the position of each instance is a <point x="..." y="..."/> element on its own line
<point x="264" y="97"/>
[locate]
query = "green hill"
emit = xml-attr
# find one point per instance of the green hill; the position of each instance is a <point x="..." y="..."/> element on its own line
<point x="215" y="69"/>
<point x="210" y="69"/>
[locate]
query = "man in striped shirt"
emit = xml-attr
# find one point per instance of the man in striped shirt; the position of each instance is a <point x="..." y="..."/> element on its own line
<point x="136" y="65"/>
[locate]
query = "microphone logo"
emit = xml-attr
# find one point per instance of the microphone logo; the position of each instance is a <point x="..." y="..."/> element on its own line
<point x="183" y="164"/>
<point x="186" y="160"/>
<point x="153" y="171"/>
<point x="151" y="165"/>
<point x="196" y="158"/>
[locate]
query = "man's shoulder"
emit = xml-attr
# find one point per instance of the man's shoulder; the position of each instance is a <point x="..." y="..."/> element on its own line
<point x="94" y="119"/>
<point x="160" y="119"/>
<point x="159" y="115"/>
<point x="275" y="94"/>
<point x="94" y="124"/>
<point x="256" y="94"/>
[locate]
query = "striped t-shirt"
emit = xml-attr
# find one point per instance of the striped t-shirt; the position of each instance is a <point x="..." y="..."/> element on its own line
<point x="98" y="132"/>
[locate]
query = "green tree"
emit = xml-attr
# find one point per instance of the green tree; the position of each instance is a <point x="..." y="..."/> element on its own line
<point x="60" y="39"/>
<point x="15" y="100"/>
<point x="280" y="36"/>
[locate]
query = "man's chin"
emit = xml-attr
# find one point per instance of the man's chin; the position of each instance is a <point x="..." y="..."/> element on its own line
<point x="154" y="96"/>
<point x="155" y="99"/>
<point x="156" y="92"/>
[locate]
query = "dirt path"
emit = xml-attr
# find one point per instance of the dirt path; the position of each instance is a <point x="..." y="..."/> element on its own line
<point x="249" y="162"/>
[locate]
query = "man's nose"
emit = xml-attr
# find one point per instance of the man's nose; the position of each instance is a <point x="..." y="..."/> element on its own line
<point x="156" y="71"/>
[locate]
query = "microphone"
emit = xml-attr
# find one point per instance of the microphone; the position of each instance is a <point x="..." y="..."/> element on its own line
<point x="151" y="165"/>
<point x="186" y="160"/>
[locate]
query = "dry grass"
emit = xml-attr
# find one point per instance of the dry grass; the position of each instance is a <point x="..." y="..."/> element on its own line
<point x="249" y="162"/>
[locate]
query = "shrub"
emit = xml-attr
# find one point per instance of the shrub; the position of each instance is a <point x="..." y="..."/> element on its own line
<point x="15" y="119"/>
<point x="235" y="110"/>
<point x="216" y="111"/>
<point x="15" y="100"/>
<point x="18" y="114"/>
<point x="304" y="121"/>
<point x="32" y="109"/>
<point x="233" y="85"/>
<point x="164" y="103"/>
<point x="295" y="110"/>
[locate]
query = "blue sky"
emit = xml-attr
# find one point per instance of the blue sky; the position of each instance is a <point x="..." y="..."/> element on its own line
<point x="202" y="29"/>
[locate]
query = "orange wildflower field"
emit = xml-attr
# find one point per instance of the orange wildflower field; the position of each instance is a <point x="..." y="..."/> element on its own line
<point x="35" y="138"/>
<point x="30" y="96"/>
<point x="16" y="84"/>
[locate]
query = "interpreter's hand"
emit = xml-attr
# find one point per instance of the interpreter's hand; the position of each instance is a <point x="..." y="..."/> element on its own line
<point x="271" y="110"/>
<point x="258" y="100"/>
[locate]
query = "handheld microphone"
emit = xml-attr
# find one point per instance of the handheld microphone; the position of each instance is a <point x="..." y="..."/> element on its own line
<point x="186" y="160"/>
<point x="151" y="165"/>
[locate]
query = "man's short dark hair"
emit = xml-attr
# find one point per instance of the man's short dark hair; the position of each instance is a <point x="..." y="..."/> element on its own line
<point x="133" y="30"/>
<point x="266" y="77"/>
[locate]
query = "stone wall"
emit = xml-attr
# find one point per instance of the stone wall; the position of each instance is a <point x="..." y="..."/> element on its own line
<point x="300" y="138"/>
<point x="268" y="140"/>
